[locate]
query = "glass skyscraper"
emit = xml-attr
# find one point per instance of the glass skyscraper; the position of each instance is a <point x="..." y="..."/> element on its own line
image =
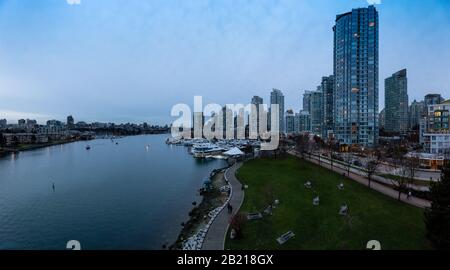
<point x="327" y="103"/>
<point x="277" y="97"/>
<point x="356" y="77"/>
<point x="396" y="100"/>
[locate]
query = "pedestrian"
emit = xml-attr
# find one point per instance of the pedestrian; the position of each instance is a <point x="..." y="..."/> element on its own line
<point x="409" y="194"/>
<point x="230" y="208"/>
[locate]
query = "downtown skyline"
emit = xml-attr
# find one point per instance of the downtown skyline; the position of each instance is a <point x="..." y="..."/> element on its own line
<point x="43" y="80"/>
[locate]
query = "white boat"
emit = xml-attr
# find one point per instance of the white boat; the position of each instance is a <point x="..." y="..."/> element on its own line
<point x="203" y="150"/>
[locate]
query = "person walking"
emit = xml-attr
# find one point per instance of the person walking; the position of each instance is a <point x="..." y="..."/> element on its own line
<point x="230" y="208"/>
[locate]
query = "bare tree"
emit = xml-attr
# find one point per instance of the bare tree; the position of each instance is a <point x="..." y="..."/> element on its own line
<point x="371" y="165"/>
<point x="348" y="158"/>
<point x="318" y="143"/>
<point x="412" y="163"/>
<point x="301" y="144"/>
<point x="403" y="177"/>
<point x="330" y="148"/>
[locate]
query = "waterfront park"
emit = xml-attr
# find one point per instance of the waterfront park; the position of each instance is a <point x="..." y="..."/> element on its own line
<point x="370" y="215"/>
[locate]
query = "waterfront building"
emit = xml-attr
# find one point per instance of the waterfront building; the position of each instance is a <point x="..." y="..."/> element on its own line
<point x="436" y="138"/>
<point x="277" y="97"/>
<point x="328" y="101"/>
<point x="21" y="122"/>
<point x="356" y="77"/>
<point x="3" y="123"/>
<point x="227" y="124"/>
<point x="12" y="139"/>
<point x="417" y="111"/>
<point x="257" y="101"/>
<point x="396" y="101"/>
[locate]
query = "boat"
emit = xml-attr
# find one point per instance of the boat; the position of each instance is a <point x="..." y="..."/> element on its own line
<point x="88" y="147"/>
<point x="204" y="150"/>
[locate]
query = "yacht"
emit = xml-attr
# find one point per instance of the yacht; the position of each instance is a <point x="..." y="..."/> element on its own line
<point x="203" y="150"/>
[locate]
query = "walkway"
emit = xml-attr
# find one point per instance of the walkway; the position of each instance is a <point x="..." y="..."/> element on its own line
<point x="418" y="202"/>
<point x="215" y="238"/>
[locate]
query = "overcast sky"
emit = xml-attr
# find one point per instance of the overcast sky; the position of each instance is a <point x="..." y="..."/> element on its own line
<point x="115" y="60"/>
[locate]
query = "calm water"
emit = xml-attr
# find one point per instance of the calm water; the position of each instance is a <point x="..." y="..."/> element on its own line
<point x="110" y="197"/>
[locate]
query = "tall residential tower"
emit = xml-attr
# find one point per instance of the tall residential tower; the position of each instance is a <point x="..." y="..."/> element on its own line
<point x="356" y="77"/>
<point x="396" y="100"/>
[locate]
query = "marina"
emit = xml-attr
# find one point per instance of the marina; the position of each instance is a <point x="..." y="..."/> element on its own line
<point x="219" y="149"/>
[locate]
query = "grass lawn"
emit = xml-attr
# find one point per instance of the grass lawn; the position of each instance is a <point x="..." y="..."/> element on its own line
<point x="372" y="215"/>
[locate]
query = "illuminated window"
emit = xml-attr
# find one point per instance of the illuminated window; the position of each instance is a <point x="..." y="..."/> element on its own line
<point x="372" y="24"/>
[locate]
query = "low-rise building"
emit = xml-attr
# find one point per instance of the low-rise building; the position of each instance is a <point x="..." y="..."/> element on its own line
<point x="12" y="139"/>
<point x="436" y="137"/>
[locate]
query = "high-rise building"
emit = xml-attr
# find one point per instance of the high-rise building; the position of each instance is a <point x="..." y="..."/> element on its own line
<point x="304" y="121"/>
<point x="396" y="101"/>
<point x="290" y="122"/>
<point x="3" y="123"/>
<point x="316" y="111"/>
<point x="416" y="112"/>
<point x="257" y="101"/>
<point x="21" y="122"/>
<point x="307" y="101"/>
<point x="313" y="104"/>
<point x="328" y="101"/>
<point x="277" y="97"/>
<point x="356" y="77"/>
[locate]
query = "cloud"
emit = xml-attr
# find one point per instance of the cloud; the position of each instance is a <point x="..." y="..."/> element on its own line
<point x="374" y="2"/>
<point x="73" y="2"/>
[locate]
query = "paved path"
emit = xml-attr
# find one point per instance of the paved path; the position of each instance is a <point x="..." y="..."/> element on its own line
<point x="215" y="238"/>
<point x="418" y="202"/>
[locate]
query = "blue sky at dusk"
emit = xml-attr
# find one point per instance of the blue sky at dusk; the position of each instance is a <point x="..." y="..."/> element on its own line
<point x="115" y="60"/>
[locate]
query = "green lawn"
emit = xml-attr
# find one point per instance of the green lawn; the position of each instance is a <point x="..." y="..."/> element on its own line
<point x="372" y="216"/>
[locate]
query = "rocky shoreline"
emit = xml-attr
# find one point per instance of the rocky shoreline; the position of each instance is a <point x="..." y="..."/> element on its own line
<point x="201" y="217"/>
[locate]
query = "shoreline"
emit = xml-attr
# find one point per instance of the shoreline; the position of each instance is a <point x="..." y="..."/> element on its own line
<point x="202" y="214"/>
<point x="5" y="151"/>
<point x="8" y="151"/>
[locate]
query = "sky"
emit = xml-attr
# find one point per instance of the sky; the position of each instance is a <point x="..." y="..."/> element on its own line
<point x="131" y="61"/>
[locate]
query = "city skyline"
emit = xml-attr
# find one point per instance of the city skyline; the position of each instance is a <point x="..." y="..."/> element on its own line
<point x="74" y="68"/>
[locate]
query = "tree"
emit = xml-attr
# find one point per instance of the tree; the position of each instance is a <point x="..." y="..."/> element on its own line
<point x="330" y="148"/>
<point x="348" y="158"/>
<point x="301" y="144"/>
<point x="372" y="164"/>
<point x="318" y="143"/>
<point x="403" y="177"/>
<point x="412" y="163"/>
<point x="437" y="217"/>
